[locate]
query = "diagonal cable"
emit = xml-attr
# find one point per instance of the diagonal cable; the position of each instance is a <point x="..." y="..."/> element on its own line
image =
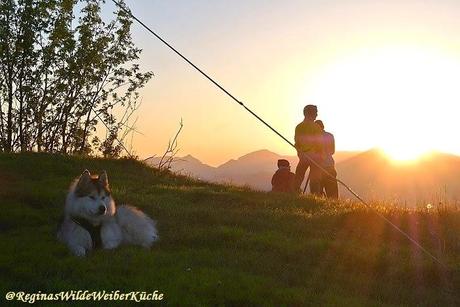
<point x="415" y="242"/>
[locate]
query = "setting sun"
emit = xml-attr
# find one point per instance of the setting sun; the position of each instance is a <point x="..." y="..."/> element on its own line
<point x="404" y="155"/>
<point x="395" y="95"/>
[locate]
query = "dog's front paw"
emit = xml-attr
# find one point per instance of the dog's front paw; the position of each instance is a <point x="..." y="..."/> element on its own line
<point x="111" y="244"/>
<point x="78" y="251"/>
<point x="110" y="235"/>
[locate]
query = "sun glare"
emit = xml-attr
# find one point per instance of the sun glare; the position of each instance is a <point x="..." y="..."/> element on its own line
<point x="393" y="98"/>
<point x="404" y="155"/>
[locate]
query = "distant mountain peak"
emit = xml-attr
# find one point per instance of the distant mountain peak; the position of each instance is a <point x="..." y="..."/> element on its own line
<point x="259" y="154"/>
<point x="191" y="159"/>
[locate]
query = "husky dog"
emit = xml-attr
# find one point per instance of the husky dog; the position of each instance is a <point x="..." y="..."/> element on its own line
<point x="91" y="219"/>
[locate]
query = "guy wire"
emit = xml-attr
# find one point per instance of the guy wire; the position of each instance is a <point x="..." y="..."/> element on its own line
<point x="417" y="244"/>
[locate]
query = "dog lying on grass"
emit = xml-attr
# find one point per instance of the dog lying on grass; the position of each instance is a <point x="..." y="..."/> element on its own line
<point x="91" y="219"/>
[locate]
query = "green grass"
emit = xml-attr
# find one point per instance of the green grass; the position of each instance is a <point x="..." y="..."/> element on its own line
<point x="223" y="245"/>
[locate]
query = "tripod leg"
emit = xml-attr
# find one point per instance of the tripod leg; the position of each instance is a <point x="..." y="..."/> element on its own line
<point x="306" y="183"/>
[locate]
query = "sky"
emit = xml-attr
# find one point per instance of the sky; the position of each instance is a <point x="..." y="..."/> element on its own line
<point x="382" y="73"/>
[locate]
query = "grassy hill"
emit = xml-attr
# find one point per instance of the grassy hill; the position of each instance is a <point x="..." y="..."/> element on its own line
<point x="222" y="245"/>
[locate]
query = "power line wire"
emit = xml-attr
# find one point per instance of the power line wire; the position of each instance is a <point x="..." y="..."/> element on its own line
<point x="128" y="11"/>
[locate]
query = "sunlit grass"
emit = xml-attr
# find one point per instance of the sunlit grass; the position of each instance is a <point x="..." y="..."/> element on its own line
<point x="225" y="245"/>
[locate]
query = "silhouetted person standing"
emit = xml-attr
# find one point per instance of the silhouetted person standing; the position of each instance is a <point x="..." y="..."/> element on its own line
<point x="283" y="180"/>
<point x="308" y="142"/>
<point x="328" y="183"/>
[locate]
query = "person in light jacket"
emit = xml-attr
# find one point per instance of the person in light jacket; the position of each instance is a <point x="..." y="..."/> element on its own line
<point x="328" y="180"/>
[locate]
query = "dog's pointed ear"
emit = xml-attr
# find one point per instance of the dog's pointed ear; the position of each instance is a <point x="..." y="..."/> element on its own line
<point x="103" y="179"/>
<point x="85" y="178"/>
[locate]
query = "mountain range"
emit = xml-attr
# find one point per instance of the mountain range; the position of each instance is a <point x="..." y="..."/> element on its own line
<point x="254" y="169"/>
<point x="432" y="179"/>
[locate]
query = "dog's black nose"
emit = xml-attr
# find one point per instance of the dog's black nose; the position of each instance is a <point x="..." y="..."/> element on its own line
<point x="102" y="209"/>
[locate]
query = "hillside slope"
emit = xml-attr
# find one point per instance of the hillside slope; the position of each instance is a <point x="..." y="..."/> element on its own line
<point x="223" y="245"/>
<point x="431" y="179"/>
<point x="254" y="169"/>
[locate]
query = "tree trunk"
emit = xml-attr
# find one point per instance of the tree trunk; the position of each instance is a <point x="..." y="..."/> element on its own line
<point x="9" y="120"/>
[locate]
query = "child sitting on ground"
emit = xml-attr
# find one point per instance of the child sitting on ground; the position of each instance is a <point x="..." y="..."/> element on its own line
<point x="283" y="180"/>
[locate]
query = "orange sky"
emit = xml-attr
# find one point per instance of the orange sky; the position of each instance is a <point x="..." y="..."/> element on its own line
<point x="382" y="74"/>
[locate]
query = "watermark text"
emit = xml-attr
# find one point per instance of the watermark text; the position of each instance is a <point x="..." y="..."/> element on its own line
<point x="85" y="295"/>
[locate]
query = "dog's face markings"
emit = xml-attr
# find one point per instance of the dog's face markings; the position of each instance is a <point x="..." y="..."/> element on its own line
<point x="91" y="186"/>
<point x="96" y="190"/>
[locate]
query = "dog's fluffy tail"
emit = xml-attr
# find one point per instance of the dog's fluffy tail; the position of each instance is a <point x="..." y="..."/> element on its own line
<point x="137" y="228"/>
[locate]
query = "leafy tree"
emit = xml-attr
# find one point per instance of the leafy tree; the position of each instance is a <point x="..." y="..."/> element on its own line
<point x="62" y="77"/>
